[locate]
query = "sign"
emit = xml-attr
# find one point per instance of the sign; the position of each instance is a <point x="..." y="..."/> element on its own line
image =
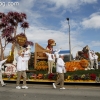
<point x="9" y="68"/>
<point x="21" y="39"/>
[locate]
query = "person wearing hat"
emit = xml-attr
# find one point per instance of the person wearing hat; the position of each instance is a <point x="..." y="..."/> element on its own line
<point x="21" y="70"/>
<point x="2" y="82"/>
<point x="60" y="69"/>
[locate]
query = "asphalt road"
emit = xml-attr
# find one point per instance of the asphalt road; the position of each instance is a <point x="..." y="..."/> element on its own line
<point x="46" y="92"/>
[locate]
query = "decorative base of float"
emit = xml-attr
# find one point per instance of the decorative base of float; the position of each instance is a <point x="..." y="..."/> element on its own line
<point x="48" y="81"/>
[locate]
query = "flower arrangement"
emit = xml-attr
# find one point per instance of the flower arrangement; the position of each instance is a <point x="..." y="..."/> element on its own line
<point x="9" y="76"/>
<point x="84" y="63"/>
<point x="42" y="65"/>
<point x="93" y="75"/>
<point x="73" y="66"/>
<point x="76" y="65"/>
<point x="52" y="76"/>
<point x="40" y="76"/>
<point x="32" y="76"/>
<point x="15" y="76"/>
<point x="82" y="77"/>
<point x="85" y="77"/>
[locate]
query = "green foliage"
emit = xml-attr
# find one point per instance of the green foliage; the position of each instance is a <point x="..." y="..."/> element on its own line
<point x="74" y="75"/>
<point x="80" y="72"/>
<point x="31" y="62"/>
<point x="98" y="55"/>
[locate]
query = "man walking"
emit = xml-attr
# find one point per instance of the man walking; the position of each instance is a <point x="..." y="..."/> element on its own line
<point x="21" y="70"/>
<point x="60" y="69"/>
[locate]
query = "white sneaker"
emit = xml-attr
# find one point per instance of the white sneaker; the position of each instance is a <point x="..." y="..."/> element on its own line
<point x="4" y="85"/>
<point x="18" y="87"/>
<point x="62" y="88"/>
<point x="24" y="87"/>
<point x="54" y="86"/>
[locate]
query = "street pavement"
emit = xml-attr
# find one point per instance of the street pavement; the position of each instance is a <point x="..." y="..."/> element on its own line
<point x="46" y="92"/>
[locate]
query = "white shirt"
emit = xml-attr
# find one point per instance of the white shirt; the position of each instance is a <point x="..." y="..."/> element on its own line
<point x="50" y="56"/>
<point x="95" y="57"/>
<point x="91" y="57"/>
<point x="21" y="63"/>
<point x="1" y="62"/>
<point x="56" y="53"/>
<point x="27" y="54"/>
<point x="60" y="66"/>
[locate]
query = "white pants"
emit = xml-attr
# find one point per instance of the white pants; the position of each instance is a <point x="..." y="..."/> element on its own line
<point x="96" y="63"/>
<point x="91" y="64"/>
<point x="2" y="83"/>
<point x="26" y="65"/>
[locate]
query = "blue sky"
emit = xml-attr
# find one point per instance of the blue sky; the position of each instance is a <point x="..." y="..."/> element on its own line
<point x="47" y="19"/>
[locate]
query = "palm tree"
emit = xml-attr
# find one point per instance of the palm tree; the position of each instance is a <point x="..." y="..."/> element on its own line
<point x="8" y="25"/>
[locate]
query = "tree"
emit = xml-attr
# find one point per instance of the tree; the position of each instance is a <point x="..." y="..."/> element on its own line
<point x="8" y="26"/>
<point x="98" y="55"/>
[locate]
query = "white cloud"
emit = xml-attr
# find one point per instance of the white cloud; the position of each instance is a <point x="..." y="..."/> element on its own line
<point x="22" y="6"/>
<point x="73" y="24"/>
<point x="40" y="33"/>
<point x="92" y="22"/>
<point x="95" y="43"/>
<point x="89" y="1"/>
<point x="70" y="4"/>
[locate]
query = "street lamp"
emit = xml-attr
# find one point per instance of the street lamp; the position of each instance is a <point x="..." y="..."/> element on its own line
<point x="69" y="38"/>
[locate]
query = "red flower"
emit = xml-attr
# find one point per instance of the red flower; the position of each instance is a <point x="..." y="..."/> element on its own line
<point x="50" y="76"/>
<point x="92" y="76"/>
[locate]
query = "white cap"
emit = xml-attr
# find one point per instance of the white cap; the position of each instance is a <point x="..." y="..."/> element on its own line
<point x="55" y="49"/>
<point x="22" y="52"/>
<point x="61" y="54"/>
<point x="28" y="47"/>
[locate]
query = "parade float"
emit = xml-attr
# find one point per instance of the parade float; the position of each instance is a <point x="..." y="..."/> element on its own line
<point x="77" y="70"/>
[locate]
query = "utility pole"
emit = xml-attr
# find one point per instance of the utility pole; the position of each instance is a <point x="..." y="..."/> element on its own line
<point x="69" y="38"/>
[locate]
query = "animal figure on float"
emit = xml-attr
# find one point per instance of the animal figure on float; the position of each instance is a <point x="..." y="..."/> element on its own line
<point x="50" y="45"/>
<point x="84" y="54"/>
